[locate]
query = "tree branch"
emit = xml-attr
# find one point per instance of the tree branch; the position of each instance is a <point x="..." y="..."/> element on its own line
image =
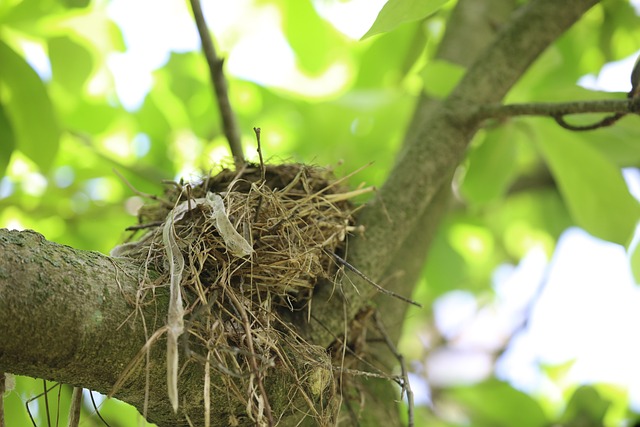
<point x="438" y="146"/>
<point x="229" y="122"/>
<point x="499" y="111"/>
<point x="69" y="316"/>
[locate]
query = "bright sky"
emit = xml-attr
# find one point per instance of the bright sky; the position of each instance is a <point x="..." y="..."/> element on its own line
<point x="262" y="43"/>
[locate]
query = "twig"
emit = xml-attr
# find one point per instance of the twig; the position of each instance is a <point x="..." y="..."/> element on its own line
<point x="229" y="122"/>
<point x="500" y="111"/>
<point x="95" y="407"/>
<point x="148" y="173"/>
<point x="252" y="356"/>
<point x="371" y="282"/>
<point x="140" y="193"/>
<point x="607" y="121"/>
<point x="143" y="226"/>
<point x="26" y="404"/>
<point x="262" y="170"/>
<point x="406" y="387"/>
<point x="76" y="405"/>
<point x="46" y="401"/>
<point x="263" y="173"/>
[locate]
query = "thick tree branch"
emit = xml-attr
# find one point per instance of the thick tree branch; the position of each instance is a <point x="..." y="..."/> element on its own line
<point x="69" y="316"/>
<point x="439" y="144"/>
<point x="229" y="122"/>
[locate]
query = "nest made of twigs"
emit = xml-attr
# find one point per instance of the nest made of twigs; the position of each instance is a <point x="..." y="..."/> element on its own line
<point x="285" y="223"/>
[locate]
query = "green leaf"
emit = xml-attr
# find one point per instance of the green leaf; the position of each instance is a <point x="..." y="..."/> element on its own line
<point x="29" y="109"/>
<point x="591" y="185"/>
<point x="495" y="403"/>
<point x="7" y="141"/>
<point x="71" y="63"/>
<point x="634" y="260"/>
<point x="492" y="166"/>
<point x="585" y="408"/>
<point x="440" y="77"/>
<point x="313" y="54"/>
<point x="75" y="3"/>
<point x="398" y="12"/>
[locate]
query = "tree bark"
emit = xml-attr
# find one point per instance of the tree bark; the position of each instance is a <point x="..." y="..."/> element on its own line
<point x="436" y="145"/>
<point x="66" y="313"/>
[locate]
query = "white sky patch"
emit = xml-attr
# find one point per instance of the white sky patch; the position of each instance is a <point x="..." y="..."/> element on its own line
<point x="352" y="18"/>
<point x="149" y="38"/>
<point x="614" y="76"/>
<point x="587" y="313"/>
<point x="37" y="57"/>
<point x="248" y="36"/>
<point x="632" y="178"/>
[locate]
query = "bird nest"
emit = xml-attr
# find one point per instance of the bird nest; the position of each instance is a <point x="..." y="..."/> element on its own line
<point x="241" y="253"/>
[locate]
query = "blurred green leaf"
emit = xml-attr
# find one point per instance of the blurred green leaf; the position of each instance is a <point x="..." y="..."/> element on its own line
<point x="440" y="77"/>
<point x="620" y="143"/>
<point x="592" y="186"/>
<point x="91" y="116"/>
<point x="313" y="54"/>
<point x="25" y="14"/>
<point x="491" y="165"/>
<point x="75" y="3"/>
<point x="7" y="141"/>
<point x="634" y="259"/>
<point x="29" y="109"/>
<point x="496" y="404"/>
<point x="586" y="408"/>
<point x="398" y="12"/>
<point x="71" y="63"/>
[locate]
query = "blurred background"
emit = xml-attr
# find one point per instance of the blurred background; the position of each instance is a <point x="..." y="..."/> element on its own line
<point x="531" y="302"/>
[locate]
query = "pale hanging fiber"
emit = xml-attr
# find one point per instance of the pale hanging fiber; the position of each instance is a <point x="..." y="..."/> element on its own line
<point x="175" y="322"/>
<point x="235" y="243"/>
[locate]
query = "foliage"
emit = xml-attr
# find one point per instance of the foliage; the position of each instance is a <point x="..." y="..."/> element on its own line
<point x="63" y="129"/>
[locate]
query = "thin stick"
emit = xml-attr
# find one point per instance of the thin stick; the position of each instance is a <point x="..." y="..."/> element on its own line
<point x="229" y="122"/>
<point x="76" y="405"/>
<point x="26" y="404"/>
<point x="406" y="387"/>
<point x="252" y="356"/>
<point x="262" y="171"/>
<point x="371" y="282"/>
<point x="140" y="193"/>
<point x="549" y="109"/>
<point x="46" y="402"/>
<point x="93" y="402"/>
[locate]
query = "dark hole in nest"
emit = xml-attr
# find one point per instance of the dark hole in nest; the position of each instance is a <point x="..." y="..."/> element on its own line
<point x="253" y="251"/>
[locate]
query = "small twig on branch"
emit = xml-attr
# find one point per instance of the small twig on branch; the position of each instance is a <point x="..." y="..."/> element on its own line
<point x="262" y="171"/>
<point x="371" y="282"/>
<point x="607" y="121"/>
<point x="499" y="111"/>
<point x="229" y="122"/>
<point x="76" y="406"/>
<point x="406" y="386"/>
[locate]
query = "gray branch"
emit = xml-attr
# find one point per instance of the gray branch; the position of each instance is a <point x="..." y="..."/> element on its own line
<point x="68" y="316"/>
<point x="229" y="122"/>
<point x="436" y="146"/>
<point x="499" y="111"/>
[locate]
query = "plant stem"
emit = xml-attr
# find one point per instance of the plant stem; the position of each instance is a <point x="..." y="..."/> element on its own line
<point x="229" y="122"/>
